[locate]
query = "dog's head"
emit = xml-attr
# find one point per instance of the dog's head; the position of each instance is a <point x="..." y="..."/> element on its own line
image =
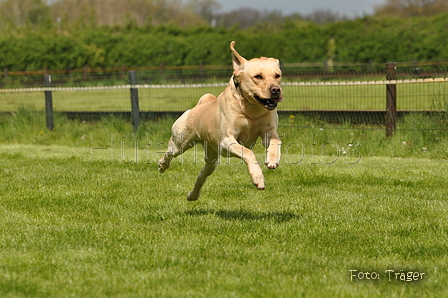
<point x="258" y="79"/>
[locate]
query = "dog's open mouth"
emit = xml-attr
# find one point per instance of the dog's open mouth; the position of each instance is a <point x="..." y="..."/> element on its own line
<point x="270" y="103"/>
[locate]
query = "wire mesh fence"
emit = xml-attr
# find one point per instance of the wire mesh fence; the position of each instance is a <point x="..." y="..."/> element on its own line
<point x="338" y="93"/>
<point x="414" y="95"/>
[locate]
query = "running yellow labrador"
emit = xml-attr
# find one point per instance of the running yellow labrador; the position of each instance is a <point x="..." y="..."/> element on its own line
<point x="230" y="124"/>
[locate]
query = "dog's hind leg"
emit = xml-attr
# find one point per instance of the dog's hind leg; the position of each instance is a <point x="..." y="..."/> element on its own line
<point x="181" y="140"/>
<point x="211" y="162"/>
<point x="174" y="149"/>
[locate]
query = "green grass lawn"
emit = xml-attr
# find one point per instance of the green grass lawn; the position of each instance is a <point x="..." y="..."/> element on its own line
<point x="77" y="225"/>
<point x="423" y="96"/>
<point x="84" y="213"/>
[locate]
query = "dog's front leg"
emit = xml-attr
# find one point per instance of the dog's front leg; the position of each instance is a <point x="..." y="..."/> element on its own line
<point x="273" y="154"/>
<point x="230" y="145"/>
<point x="272" y="144"/>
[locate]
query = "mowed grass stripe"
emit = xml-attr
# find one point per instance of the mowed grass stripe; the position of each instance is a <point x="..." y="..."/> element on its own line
<point x="73" y="227"/>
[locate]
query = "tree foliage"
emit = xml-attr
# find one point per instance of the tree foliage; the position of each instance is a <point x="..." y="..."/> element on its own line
<point x="411" y="8"/>
<point x="144" y="39"/>
<point x="69" y="14"/>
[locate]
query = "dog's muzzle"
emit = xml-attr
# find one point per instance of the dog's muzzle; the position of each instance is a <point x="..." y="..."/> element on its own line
<point x="271" y="103"/>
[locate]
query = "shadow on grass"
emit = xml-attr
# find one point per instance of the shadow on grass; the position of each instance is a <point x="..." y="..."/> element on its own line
<point x="245" y="215"/>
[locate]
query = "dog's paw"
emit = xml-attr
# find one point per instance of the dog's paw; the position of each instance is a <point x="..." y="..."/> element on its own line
<point x="163" y="167"/>
<point x="271" y="166"/>
<point x="257" y="177"/>
<point x="259" y="186"/>
<point x="192" y="196"/>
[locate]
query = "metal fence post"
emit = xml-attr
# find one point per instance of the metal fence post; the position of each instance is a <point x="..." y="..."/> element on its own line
<point x="391" y="99"/>
<point x="48" y="103"/>
<point x="135" y="110"/>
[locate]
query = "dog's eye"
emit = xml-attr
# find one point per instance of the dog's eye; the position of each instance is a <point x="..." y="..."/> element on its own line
<point x="259" y="77"/>
<point x="277" y="76"/>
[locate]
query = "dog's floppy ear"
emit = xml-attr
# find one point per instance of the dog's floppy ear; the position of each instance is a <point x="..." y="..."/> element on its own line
<point x="278" y="62"/>
<point x="238" y="60"/>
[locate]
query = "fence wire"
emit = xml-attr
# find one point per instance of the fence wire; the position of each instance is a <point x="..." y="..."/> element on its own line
<point x="414" y="95"/>
<point x="352" y="93"/>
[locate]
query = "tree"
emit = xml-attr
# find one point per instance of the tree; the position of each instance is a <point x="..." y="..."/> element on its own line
<point x="247" y="17"/>
<point x="205" y="8"/>
<point x="122" y="12"/>
<point x="325" y="16"/>
<point x="410" y="8"/>
<point x="18" y="13"/>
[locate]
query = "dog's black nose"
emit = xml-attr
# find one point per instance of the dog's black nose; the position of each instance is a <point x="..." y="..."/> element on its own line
<point x="275" y="90"/>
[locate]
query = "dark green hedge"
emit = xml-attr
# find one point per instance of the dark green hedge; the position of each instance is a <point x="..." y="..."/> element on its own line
<point x="360" y="40"/>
